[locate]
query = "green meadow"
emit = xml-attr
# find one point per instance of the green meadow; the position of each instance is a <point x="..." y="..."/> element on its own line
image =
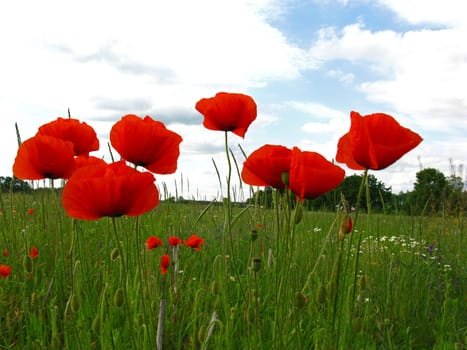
<point x="263" y="279"/>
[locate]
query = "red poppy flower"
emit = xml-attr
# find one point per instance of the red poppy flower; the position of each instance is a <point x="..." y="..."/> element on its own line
<point x="311" y="175"/>
<point x="83" y="136"/>
<point x="266" y="166"/>
<point x="5" y="252"/>
<point x="228" y="112"/>
<point x="153" y="242"/>
<point x="374" y="141"/>
<point x="34" y="252"/>
<point x="43" y="157"/>
<point x="30" y="211"/>
<point x="165" y="263"/>
<point x="5" y="270"/>
<point x="109" y="190"/>
<point x="194" y="242"/>
<point x="174" y="241"/>
<point x="146" y="142"/>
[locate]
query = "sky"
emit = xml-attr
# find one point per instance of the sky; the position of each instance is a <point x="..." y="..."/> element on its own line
<point x="306" y="63"/>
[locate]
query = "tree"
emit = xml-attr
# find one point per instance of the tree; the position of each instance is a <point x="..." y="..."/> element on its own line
<point x="7" y="183"/>
<point x="380" y="194"/>
<point x="430" y="191"/>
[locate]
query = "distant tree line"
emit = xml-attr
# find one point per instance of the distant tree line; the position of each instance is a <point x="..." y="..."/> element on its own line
<point x="433" y="193"/>
<point x="8" y="183"/>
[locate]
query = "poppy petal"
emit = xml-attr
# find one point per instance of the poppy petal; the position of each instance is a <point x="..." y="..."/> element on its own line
<point x="312" y="175"/>
<point x="265" y="166"/>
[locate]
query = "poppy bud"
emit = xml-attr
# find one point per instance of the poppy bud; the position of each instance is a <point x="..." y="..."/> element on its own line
<point x="74" y="303"/>
<point x="114" y="255"/>
<point x="254" y="235"/>
<point x="357" y="324"/>
<point x="96" y="324"/>
<point x="362" y="282"/>
<point x="118" y="298"/>
<point x="27" y="263"/>
<point x="256" y="264"/>
<point x="321" y="294"/>
<point x="215" y="287"/>
<point x="346" y="224"/>
<point x="298" y="214"/>
<point x="300" y="300"/>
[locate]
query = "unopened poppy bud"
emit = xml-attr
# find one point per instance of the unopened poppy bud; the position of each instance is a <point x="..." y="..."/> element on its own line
<point x="285" y="178"/>
<point x="256" y="264"/>
<point x="298" y="214"/>
<point x="357" y="324"/>
<point x="96" y="324"/>
<point x="118" y="297"/>
<point x="362" y="282"/>
<point x="215" y="287"/>
<point x="321" y="294"/>
<point x="346" y="224"/>
<point x="114" y="254"/>
<point x="27" y="263"/>
<point x="254" y="235"/>
<point x="300" y="300"/>
<point x="74" y="303"/>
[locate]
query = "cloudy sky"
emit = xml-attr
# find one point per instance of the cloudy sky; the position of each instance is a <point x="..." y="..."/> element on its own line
<point x="306" y="63"/>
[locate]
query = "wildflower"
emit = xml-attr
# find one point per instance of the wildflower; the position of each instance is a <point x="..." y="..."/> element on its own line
<point x="174" y="241"/>
<point x="30" y="211"/>
<point x="146" y="142"/>
<point x="165" y="262"/>
<point x="109" y="190"/>
<point x="311" y="175"/>
<point x="83" y="136"/>
<point x="43" y="157"/>
<point x="265" y="166"/>
<point x="33" y="252"/>
<point x="374" y="141"/>
<point x="5" y="252"/>
<point x="153" y="242"/>
<point x="194" y="242"/>
<point x="228" y="112"/>
<point x="5" y="270"/>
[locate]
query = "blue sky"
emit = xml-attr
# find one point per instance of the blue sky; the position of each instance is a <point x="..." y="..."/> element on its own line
<point x="306" y="63"/>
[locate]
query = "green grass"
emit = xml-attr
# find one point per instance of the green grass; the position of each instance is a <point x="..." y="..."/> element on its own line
<point x="408" y="290"/>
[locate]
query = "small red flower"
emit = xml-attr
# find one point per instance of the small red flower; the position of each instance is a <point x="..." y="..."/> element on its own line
<point x="311" y="175"/>
<point x="43" y="157"/>
<point x="83" y="136"/>
<point x="165" y="263"/>
<point x="34" y="252"/>
<point x="30" y="211"/>
<point x="228" y="112"/>
<point x="5" y="252"/>
<point x="266" y="166"/>
<point x="109" y="190"/>
<point x="146" y="142"/>
<point x="174" y="241"/>
<point x="5" y="270"/>
<point x="374" y="141"/>
<point x="194" y="242"/>
<point x="153" y="242"/>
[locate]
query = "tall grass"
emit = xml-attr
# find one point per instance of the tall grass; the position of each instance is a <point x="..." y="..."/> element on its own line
<point x="95" y="285"/>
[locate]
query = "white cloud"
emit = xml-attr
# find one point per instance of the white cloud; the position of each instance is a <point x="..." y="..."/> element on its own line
<point x="317" y="110"/>
<point x="446" y="12"/>
<point x="423" y="73"/>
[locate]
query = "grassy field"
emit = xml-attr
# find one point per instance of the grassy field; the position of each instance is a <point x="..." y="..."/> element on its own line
<point x="259" y="281"/>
